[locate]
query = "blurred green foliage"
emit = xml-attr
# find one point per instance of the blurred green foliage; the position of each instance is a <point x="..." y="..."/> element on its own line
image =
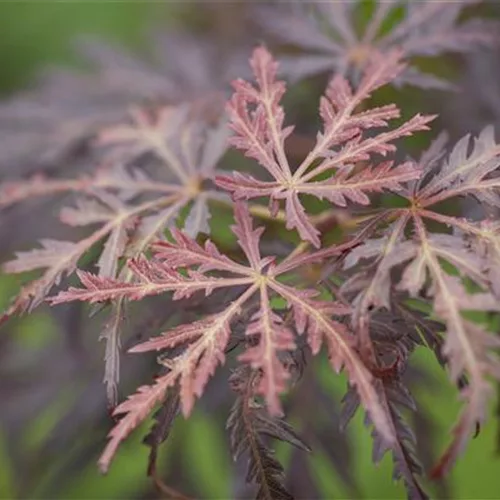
<point x="35" y="33"/>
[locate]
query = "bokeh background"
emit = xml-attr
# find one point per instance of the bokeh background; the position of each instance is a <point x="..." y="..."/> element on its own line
<point x="53" y="418"/>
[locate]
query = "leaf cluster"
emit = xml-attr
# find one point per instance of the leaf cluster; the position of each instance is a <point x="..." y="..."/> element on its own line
<point x="158" y="175"/>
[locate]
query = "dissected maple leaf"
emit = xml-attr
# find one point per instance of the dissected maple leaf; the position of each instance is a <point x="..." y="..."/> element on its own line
<point x="206" y="269"/>
<point x="327" y="32"/>
<point x="248" y="422"/>
<point x="257" y="119"/>
<point x="483" y="239"/>
<point x="158" y="166"/>
<point x="42" y="127"/>
<point x="129" y="206"/>
<point x="394" y="397"/>
<point x="395" y="334"/>
<point x="468" y="348"/>
<point x="464" y="172"/>
<point x="417" y="263"/>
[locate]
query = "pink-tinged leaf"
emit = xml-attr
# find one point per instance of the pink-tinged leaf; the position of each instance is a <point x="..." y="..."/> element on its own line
<point x="371" y="118"/>
<point x="86" y="211"/>
<point x="467" y="170"/>
<point x="468" y="346"/>
<point x="152" y="227"/>
<point x="153" y="278"/>
<point x="51" y="253"/>
<point x="58" y="257"/>
<point x="374" y="288"/>
<point x="250" y="133"/>
<point x="257" y="120"/>
<point x="107" y="208"/>
<point x="147" y="132"/>
<point x="484" y="241"/>
<point x="186" y="252"/>
<point x="260" y="133"/>
<point x="99" y="289"/>
<point x="380" y="70"/>
<point x="191" y="369"/>
<point x="245" y="187"/>
<point x="162" y="275"/>
<point x="114" y="248"/>
<point x="337" y="107"/>
<point x="129" y="182"/>
<point x="273" y="337"/>
<point x="16" y="191"/>
<point x="303" y="259"/>
<point x="205" y="327"/>
<point x="176" y="336"/>
<point x="200" y="359"/>
<point x="298" y="219"/>
<point x="248" y="237"/>
<point x="136" y="409"/>
<point x="344" y="187"/>
<point x="361" y="149"/>
<point x="341" y="349"/>
<point x="188" y="147"/>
